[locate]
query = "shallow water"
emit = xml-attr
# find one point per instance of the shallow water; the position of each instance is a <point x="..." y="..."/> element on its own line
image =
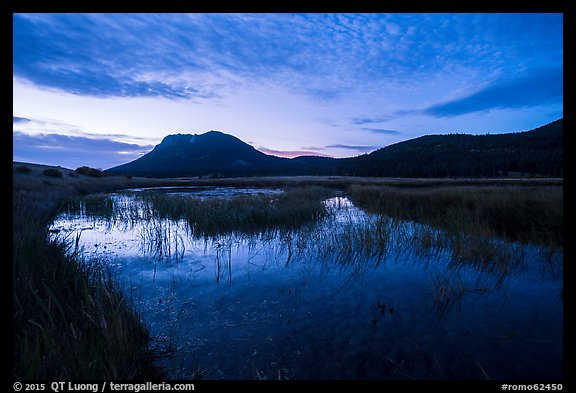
<point x="294" y="305"/>
<point x="204" y="192"/>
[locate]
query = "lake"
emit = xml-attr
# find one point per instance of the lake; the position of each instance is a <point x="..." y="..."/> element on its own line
<point x="349" y="295"/>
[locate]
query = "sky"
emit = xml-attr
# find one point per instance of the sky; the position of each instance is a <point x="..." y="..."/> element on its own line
<point x="103" y="89"/>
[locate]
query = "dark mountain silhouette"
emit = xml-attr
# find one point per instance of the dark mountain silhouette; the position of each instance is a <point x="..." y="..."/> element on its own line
<point x="212" y="153"/>
<point x="535" y="152"/>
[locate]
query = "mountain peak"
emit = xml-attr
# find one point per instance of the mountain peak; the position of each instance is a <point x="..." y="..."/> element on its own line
<point x="179" y="137"/>
<point x="212" y="152"/>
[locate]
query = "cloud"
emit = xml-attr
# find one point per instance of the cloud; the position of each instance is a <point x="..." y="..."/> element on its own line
<point x="540" y="87"/>
<point x="382" y="131"/>
<point x="324" y="57"/>
<point x="43" y="126"/>
<point x="369" y="120"/>
<point x="290" y="153"/>
<point x="103" y="55"/>
<point x="359" y="148"/>
<point x="165" y="55"/>
<point x="16" y="120"/>
<point x="74" y="151"/>
<point x="325" y="94"/>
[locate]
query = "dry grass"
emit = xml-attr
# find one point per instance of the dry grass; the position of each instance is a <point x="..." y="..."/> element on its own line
<point x="34" y="181"/>
<point x="518" y="213"/>
<point x="69" y="318"/>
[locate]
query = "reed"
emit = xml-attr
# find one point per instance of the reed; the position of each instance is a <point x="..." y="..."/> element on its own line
<point x="69" y="318"/>
<point x="523" y="214"/>
<point x="252" y="214"/>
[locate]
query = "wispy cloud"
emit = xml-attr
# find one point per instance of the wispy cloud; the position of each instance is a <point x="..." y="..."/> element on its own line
<point x="539" y="87"/>
<point x="16" y="120"/>
<point x="324" y="56"/>
<point x="40" y="126"/>
<point x="369" y="120"/>
<point x="325" y="94"/>
<point x="382" y="131"/>
<point x="73" y="151"/>
<point x="359" y="148"/>
<point x="344" y="77"/>
<point x="105" y="55"/>
<point x="290" y="153"/>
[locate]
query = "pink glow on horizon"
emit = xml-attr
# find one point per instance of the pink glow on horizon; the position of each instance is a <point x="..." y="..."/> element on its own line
<point x="290" y="153"/>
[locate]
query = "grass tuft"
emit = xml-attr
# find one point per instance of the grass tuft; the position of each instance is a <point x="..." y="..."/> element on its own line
<point x="70" y="320"/>
<point x="521" y="214"/>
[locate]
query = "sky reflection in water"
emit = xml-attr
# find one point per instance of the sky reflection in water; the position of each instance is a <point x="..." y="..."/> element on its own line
<point x="291" y="306"/>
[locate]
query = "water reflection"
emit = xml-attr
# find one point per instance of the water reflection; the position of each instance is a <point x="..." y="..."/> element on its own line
<point x="352" y="296"/>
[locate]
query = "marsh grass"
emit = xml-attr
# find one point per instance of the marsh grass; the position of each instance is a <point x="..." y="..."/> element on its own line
<point x="247" y="214"/>
<point x="109" y="207"/>
<point x="521" y="214"/>
<point x="483" y="228"/>
<point x="163" y="239"/>
<point x="464" y="253"/>
<point x="243" y="214"/>
<point x="358" y="243"/>
<point x="489" y="255"/>
<point x="450" y="224"/>
<point x="69" y="319"/>
<point x="466" y="225"/>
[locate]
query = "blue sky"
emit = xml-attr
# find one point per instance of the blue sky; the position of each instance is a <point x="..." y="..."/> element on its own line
<point x="103" y="89"/>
